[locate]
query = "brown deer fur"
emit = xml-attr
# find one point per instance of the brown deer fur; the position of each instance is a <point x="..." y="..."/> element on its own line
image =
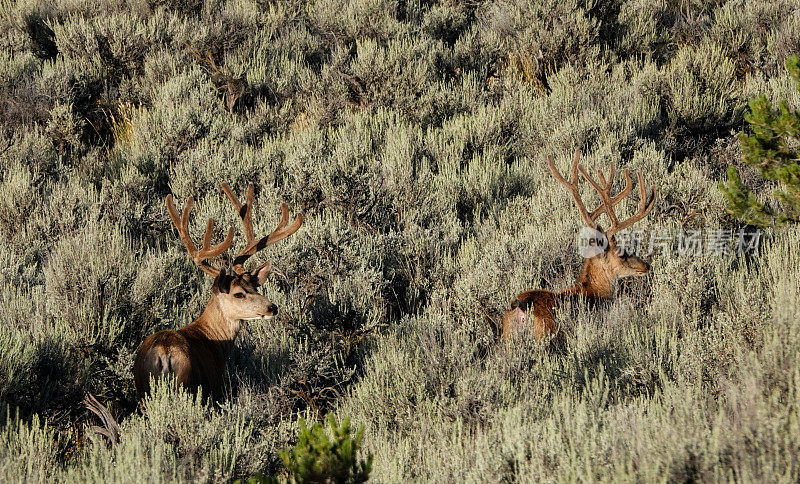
<point x="533" y="309"/>
<point x="197" y="353"/>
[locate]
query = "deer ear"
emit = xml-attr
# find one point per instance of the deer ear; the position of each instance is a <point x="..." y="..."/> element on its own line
<point x="222" y="283"/>
<point x="260" y="274"/>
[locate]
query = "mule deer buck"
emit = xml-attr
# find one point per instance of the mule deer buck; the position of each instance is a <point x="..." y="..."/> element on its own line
<point x="600" y="273"/>
<point x="197" y="353"/>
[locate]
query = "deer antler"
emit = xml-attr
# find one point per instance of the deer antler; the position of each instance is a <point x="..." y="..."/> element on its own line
<point x="208" y="251"/>
<point x="254" y="245"/>
<point x="572" y="186"/>
<point x="110" y="428"/>
<point x="607" y="201"/>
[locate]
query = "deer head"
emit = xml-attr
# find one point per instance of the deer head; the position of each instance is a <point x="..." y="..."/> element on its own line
<point x="614" y="262"/>
<point x="235" y="292"/>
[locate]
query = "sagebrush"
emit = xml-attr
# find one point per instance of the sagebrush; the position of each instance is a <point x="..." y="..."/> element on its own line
<point x="412" y="135"/>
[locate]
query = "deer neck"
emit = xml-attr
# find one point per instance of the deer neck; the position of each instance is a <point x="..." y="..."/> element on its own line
<point x="217" y="328"/>
<point x="596" y="280"/>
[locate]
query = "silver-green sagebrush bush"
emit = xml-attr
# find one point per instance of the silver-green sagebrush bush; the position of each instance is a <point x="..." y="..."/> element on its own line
<point x="412" y="135"/>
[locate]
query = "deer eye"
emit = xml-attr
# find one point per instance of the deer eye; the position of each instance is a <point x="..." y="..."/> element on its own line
<point x="239" y="295"/>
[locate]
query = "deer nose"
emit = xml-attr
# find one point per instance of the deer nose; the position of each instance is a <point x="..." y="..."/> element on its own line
<point x="272" y="309"/>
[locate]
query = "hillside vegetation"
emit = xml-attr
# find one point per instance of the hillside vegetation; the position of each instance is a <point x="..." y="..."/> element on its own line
<point x="413" y="135"/>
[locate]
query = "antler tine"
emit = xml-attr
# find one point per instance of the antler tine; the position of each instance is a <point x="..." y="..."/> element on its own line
<point x="646" y="204"/>
<point x="198" y="256"/>
<point x="245" y="211"/>
<point x="616" y="198"/>
<point x="254" y="245"/>
<point x="611" y="172"/>
<point x="181" y="224"/>
<point x="246" y="214"/>
<point x="284" y="217"/>
<point x="573" y="176"/>
<point x="277" y="235"/>
<point x="282" y="231"/>
<point x="605" y="198"/>
<point x="572" y="186"/>
<point x="208" y="250"/>
<point x="207" y="236"/>
<point x="643" y="192"/>
<point x="625" y="191"/>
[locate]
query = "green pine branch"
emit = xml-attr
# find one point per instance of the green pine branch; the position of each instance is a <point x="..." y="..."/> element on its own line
<point x="773" y="148"/>
<point x="318" y="458"/>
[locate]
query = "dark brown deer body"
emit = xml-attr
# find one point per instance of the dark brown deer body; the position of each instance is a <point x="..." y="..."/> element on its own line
<point x="197" y="353"/>
<point x="598" y="280"/>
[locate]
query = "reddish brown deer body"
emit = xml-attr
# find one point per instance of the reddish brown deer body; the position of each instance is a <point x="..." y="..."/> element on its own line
<point x="197" y="353"/>
<point x="598" y="279"/>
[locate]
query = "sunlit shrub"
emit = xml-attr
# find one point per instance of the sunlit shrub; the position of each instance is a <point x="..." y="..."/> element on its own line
<point x="412" y="136"/>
